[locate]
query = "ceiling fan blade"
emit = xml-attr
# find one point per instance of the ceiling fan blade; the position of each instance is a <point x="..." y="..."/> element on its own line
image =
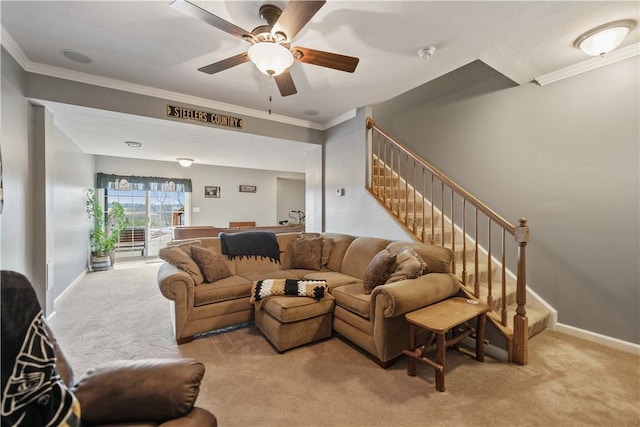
<point x="285" y="83"/>
<point x="325" y="59"/>
<point x="209" y="18"/>
<point x="216" y="67"/>
<point x="295" y="16"/>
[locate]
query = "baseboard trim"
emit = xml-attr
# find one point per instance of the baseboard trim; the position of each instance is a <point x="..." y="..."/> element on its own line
<point x="615" y="343"/>
<point x="66" y="291"/>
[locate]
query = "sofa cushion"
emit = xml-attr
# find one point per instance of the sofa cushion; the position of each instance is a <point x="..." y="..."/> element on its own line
<point x="409" y="265"/>
<point x="271" y="274"/>
<point x="340" y="244"/>
<point x="212" y="264"/>
<point x="333" y="278"/>
<point x="182" y="259"/>
<point x="360" y="253"/>
<point x="438" y="258"/>
<point x="232" y="287"/>
<point x="247" y="265"/>
<point x="352" y="298"/>
<point x="306" y="253"/>
<point x="291" y="309"/>
<point x="378" y="270"/>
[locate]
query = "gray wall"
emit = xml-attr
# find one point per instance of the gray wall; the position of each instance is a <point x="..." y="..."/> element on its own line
<point x="566" y="157"/>
<point x="15" y="215"/>
<point x="44" y="177"/>
<point x="68" y="217"/>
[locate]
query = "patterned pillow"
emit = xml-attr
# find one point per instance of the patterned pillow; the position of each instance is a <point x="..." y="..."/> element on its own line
<point x="212" y="264"/>
<point x="378" y="270"/>
<point x="182" y="259"/>
<point x="184" y="244"/>
<point x="306" y="253"/>
<point x="292" y="287"/>
<point x="416" y="255"/>
<point x="409" y="265"/>
<point x="327" y="246"/>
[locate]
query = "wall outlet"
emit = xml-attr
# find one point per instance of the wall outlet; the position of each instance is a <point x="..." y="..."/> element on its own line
<point x="196" y="210"/>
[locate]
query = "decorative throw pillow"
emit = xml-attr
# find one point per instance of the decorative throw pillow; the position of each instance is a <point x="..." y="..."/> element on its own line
<point x="184" y="244"/>
<point x="379" y="270"/>
<point x="182" y="259"/>
<point x="409" y="265"/>
<point x="212" y="264"/>
<point x="306" y="253"/>
<point x="416" y="255"/>
<point x="327" y="246"/>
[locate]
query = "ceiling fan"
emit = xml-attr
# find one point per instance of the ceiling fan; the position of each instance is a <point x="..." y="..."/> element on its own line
<point x="270" y="47"/>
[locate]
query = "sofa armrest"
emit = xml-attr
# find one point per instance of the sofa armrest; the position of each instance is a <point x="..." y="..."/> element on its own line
<point x="405" y="296"/>
<point x="155" y="390"/>
<point x="198" y="417"/>
<point x="171" y="278"/>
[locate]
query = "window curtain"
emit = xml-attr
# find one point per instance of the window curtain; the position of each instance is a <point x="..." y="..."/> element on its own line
<point x="142" y="183"/>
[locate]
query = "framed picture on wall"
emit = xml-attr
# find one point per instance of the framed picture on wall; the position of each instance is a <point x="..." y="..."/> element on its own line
<point x="248" y="188"/>
<point x="211" y="192"/>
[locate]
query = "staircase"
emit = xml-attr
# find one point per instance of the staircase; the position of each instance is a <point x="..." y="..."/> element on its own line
<point x="434" y="209"/>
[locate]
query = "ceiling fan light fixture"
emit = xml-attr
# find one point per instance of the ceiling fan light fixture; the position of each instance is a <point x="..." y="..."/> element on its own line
<point x="184" y="162"/>
<point x="603" y="39"/>
<point x="271" y="59"/>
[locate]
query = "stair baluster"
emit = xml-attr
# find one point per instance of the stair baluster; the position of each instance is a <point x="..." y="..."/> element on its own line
<point x="394" y="182"/>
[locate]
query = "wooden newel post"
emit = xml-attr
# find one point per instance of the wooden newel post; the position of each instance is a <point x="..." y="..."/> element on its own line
<point x="520" y="321"/>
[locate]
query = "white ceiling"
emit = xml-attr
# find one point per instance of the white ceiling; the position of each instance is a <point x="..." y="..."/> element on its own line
<point x="152" y="46"/>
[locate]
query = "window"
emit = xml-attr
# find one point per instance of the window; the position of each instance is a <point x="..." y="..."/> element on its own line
<point x="152" y="207"/>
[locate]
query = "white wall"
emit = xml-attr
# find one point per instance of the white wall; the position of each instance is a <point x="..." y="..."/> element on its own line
<point x="355" y="213"/>
<point x="290" y="197"/>
<point x="232" y="205"/>
<point x="314" y="194"/>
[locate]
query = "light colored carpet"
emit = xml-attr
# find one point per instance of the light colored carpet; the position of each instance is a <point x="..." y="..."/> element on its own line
<point x="120" y="314"/>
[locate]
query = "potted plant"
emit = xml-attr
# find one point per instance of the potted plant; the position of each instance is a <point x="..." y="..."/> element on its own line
<point x="106" y="231"/>
<point x="116" y="222"/>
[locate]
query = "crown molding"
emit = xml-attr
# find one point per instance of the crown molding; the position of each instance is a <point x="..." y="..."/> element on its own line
<point x="337" y="120"/>
<point x="590" y="64"/>
<point x="33" y="67"/>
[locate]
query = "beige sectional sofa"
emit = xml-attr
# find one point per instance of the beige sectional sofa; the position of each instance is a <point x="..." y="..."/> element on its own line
<point x="373" y="321"/>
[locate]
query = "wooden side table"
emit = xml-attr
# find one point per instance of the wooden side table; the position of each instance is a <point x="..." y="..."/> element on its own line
<point x="438" y="319"/>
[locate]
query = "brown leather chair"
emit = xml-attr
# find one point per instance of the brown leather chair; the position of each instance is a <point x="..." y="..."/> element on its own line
<point x="143" y="393"/>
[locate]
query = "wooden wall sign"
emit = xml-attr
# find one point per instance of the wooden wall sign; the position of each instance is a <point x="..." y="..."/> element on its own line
<point x="203" y="116"/>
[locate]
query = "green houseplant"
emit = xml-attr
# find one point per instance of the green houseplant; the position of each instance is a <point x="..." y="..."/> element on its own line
<point x="105" y="232"/>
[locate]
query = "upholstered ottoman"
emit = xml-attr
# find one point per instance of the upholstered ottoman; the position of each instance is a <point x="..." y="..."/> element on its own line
<point x="292" y="321"/>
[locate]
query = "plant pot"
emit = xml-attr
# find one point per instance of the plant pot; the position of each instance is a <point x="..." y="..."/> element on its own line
<point x="112" y="257"/>
<point x="100" y="263"/>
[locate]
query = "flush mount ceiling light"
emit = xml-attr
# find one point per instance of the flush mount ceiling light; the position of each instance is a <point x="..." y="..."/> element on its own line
<point x="184" y="162"/>
<point x="605" y="38"/>
<point x="271" y="58"/>
<point x="133" y="144"/>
